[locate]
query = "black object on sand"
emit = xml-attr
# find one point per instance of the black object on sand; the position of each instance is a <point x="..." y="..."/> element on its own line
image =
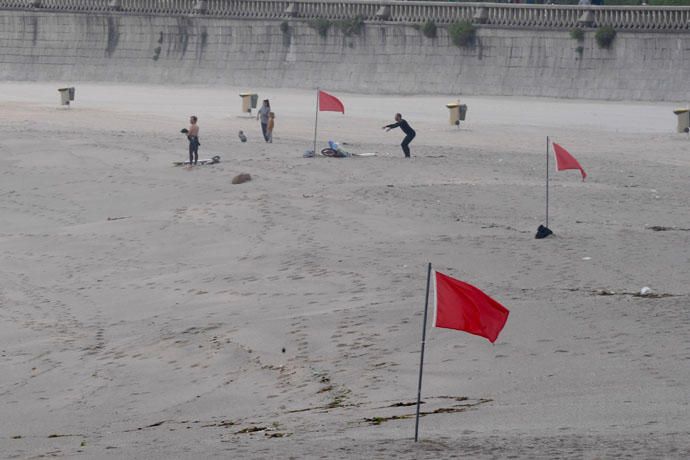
<point x="184" y="130"/>
<point x="543" y="232"/>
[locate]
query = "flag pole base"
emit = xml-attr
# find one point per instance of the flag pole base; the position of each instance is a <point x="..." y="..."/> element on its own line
<point x="543" y="232"/>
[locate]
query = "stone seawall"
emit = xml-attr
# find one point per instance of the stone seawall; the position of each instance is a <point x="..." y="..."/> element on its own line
<point x="383" y="58"/>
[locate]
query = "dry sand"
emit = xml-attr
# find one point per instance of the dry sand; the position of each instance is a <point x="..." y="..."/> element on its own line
<point x="144" y="308"/>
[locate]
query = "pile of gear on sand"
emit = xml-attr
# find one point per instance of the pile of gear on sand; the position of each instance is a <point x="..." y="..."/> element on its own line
<point x="334" y="151"/>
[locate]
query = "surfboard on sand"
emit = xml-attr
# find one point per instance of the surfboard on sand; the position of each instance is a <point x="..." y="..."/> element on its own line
<point x="333" y="153"/>
<point x="205" y="161"/>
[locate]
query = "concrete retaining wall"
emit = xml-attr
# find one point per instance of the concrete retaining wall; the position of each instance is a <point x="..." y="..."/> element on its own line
<point x="385" y="58"/>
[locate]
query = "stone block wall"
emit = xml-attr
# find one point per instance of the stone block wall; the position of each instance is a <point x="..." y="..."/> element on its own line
<point x="384" y="58"/>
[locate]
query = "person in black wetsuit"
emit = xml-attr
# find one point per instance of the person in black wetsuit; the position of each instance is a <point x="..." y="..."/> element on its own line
<point x="407" y="129"/>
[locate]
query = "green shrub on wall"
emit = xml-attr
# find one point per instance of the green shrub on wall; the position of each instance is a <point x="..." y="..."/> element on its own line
<point x="577" y="34"/>
<point x="429" y="29"/>
<point x="605" y="36"/>
<point x="648" y="2"/>
<point x="350" y="27"/>
<point x="629" y="2"/>
<point x="463" y="33"/>
<point x="669" y="2"/>
<point x="321" y="26"/>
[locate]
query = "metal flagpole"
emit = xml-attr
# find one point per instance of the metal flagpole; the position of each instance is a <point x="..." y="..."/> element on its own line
<point x="316" y="119"/>
<point x="421" y="359"/>
<point x="547" y="181"/>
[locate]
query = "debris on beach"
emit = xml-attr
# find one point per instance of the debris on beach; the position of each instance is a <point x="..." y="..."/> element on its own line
<point x="651" y="294"/>
<point x="660" y="228"/>
<point x="241" y="178"/>
<point x="252" y="429"/>
<point x="269" y="432"/>
<point x="455" y="408"/>
<point x="645" y="291"/>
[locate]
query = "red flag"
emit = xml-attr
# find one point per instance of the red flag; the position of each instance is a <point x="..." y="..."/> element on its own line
<point x="564" y="160"/>
<point x="330" y="103"/>
<point x="461" y="306"/>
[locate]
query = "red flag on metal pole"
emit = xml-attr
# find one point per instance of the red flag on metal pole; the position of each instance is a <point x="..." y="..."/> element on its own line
<point x="325" y="103"/>
<point x="564" y="160"/>
<point x="461" y="306"/>
<point x="330" y="103"/>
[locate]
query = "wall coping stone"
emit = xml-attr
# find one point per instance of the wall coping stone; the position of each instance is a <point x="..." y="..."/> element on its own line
<point x="627" y="18"/>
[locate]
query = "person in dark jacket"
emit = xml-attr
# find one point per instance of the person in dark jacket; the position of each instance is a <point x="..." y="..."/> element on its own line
<point x="262" y="115"/>
<point x="407" y="129"/>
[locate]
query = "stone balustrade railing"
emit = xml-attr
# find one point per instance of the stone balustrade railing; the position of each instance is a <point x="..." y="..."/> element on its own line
<point x="631" y="18"/>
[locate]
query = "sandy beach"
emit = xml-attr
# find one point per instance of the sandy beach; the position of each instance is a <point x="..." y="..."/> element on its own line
<point x="151" y="311"/>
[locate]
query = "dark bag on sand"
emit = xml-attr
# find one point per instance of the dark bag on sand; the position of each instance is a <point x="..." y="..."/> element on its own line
<point x="543" y="232"/>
